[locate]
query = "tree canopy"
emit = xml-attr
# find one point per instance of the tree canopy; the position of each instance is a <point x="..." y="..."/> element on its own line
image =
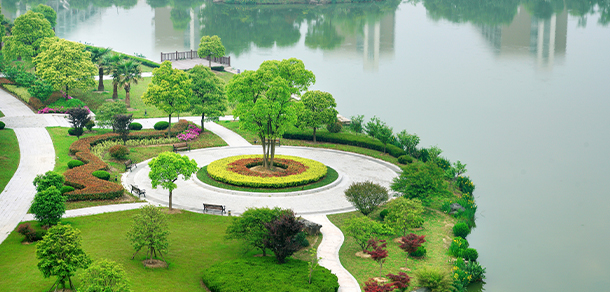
<point x="263" y="100"/>
<point x="404" y="214"/>
<point x="48" y="206"/>
<point x="319" y="109"/>
<point x="27" y="35"/>
<point x="104" y="275"/>
<point x="149" y="230"/>
<point x="98" y="57"/>
<point x="250" y="226"/>
<point x="166" y="168"/>
<point x="209" y="98"/>
<point x="65" y="64"/>
<point x="48" y="13"/>
<point x="169" y="90"/>
<point x="128" y="71"/>
<point x="210" y="46"/>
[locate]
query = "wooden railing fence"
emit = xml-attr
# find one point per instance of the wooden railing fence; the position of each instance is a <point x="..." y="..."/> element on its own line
<point x="175" y="56"/>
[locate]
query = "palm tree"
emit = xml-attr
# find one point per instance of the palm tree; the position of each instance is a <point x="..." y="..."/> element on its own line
<point x="110" y="64"/>
<point x="128" y="71"/>
<point x="98" y="57"/>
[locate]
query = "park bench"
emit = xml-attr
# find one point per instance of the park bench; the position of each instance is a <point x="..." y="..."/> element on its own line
<point x="207" y="207"/>
<point x="129" y="165"/>
<point x="181" y="146"/>
<point x="138" y="191"/>
<point x="277" y="142"/>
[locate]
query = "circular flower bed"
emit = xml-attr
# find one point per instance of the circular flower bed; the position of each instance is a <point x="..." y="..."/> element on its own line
<point x="294" y="171"/>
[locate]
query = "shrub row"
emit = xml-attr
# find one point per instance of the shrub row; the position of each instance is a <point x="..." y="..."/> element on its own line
<point x="264" y="274"/>
<point x="89" y="187"/>
<point x="344" y="138"/>
<point x="219" y="170"/>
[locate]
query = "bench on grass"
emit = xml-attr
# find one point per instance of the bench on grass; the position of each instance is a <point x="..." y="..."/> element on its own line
<point x="181" y="146"/>
<point x="129" y="165"/>
<point x="278" y="142"/>
<point x="138" y="191"/>
<point x="207" y="207"/>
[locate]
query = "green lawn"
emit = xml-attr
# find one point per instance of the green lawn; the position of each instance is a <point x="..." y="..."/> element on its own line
<point x="9" y="156"/>
<point x="437" y="226"/>
<point x="62" y="142"/>
<point x="1" y="114"/>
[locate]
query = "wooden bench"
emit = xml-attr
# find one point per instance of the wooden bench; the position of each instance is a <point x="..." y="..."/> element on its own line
<point x="129" y="165"/>
<point x="278" y="142"/>
<point x="207" y="207"/>
<point x="138" y="191"/>
<point x="182" y="146"/>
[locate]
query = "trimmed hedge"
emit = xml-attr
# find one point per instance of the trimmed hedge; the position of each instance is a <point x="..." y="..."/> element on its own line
<point x="2" y="125"/>
<point x="264" y="274"/>
<point x="162" y="125"/>
<point x="135" y="126"/>
<point x="101" y="174"/>
<point x="74" y="163"/>
<point x="344" y="138"/>
<point x="220" y="171"/>
<point x="66" y="189"/>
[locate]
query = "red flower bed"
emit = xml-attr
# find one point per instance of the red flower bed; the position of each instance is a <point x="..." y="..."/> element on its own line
<point x="243" y="166"/>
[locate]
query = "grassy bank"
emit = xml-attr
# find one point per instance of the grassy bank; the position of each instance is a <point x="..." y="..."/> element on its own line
<point x="9" y="156"/>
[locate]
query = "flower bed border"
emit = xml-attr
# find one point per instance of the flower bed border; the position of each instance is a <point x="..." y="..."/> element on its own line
<point x="219" y="170"/>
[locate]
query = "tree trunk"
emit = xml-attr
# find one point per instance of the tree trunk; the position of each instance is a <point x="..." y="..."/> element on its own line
<point x="314" y="134"/>
<point x="170" y="200"/>
<point x="264" y="144"/>
<point x="127" y="100"/>
<point x="202" y="117"/>
<point x="210" y="59"/>
<point x="272" y="154"/>
<point x="115" y="90"/>
<point x="169" y="134"/>
<point x="100" y="74"/>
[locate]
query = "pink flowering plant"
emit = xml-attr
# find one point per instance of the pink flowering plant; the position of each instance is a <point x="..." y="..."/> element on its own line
<point x="60" y="110"/>
<point x="191" y="133"/>
<point x="65" y="95"/>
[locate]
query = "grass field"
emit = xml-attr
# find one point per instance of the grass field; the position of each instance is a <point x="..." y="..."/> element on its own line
<point x="1" y="114"/>
<point x="62" y="142"/>
<point x="9" y="156"/>
<point x="437" y="229"/>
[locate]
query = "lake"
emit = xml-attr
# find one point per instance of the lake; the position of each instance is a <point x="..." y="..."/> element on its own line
<point x="517" y="90"/>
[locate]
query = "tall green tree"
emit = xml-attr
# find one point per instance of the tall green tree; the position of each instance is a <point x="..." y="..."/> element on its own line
<point x="149" y="230"/>
<point x="97" y="57"/>
<point x="250" y="226"/>
<point x="319" y="109"/>
<point x="209" y="98"/>
<point x="128" y="72"/>
<point x="110" y="64"/>
<point x="50" y="178"/>
<point x="263" y="100"/>
<point x="60" y="254"/>
<point x="169" y="91"/>
<point x="48" y="206"/>
<point x="166" y="168"/>
<point x="210" y="46"/>
<point x="404" y="214"/>
<point x="65" y="64"/>
<point x="48" y="13"/>
<point x="27" y="35"/>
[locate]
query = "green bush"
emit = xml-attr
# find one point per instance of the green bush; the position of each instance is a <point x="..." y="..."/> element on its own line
<point x="405" y="159"/>
<point x="422" y="181"/>
<point x="458" y="245"/>
<point x="66" y="189"/>
<point x="366" y="196"/>
<point x="101" y="174"/>
<point x="423" y="155"/>
<point x="2" y="125"/>
<point x="420" y="252"/>
<point x="384" y="213"/>
<point x="470" y="254"/>
<point x="75" y="132"/>
<point x="162" y="125"/>
<point x="344" y="138"/>
<point x="26" y="230"/>
<point x="434" y="279"/>
<point x="119" y="152"/>
<point x="461" y="229"/>
<point x="301" y="238"/>
<point x="263" y="274"/>
<point x="465" y="185"/>
<point x="334" y="127"/>
<point x="218" y="68"/>
<point x="70" y="103"/>
<point x="89" y="125"/>
<point x="443" y="163"/>
<point x="135" y="126"/>
<point x="40" y="89"/>
<point x="74" y="163"/>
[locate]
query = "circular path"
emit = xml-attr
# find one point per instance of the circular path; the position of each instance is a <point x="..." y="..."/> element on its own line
<point x="191" y="194"/>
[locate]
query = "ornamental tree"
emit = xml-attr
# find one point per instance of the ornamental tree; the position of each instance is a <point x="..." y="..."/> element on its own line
<point x="411" y="243"/>
<point x="373" y="286"/>
<point x="209" y="98"/>
<point x="380" y="131"/>
<point x="421" y="181"/>
<point x="282" y="232"/>
<point x="49" y="179"/>
<point x="48" y="13"/>
<point x="400" y="281"/>
<point x="98" y="57"/>
<point x="128" y="72"/>
<point x="210" y="46"/>
<point x="120" y="125"/>
<point x="167" y="167"/>
<point x="169" y="91"/>
<point x="149" y="230"/>
<point x="78" y="117"/>
<point x="366" y="196"/>
<point x="27" y="35"/>
<point x="408" y="142"/>
<point x="250" y="226"/>
<point x="263" y="100"/>
<point x="104" y="275"/>
<point x="376" y="248"/>
<point x="65" y="64"/>
<point x="318" y="109"/>
<point x="363" y="228"/>
<point x="60" y="254"/>
<point x="404" y="214"/>
<point x="48" y="206"/>
<point x="105" y="113"/>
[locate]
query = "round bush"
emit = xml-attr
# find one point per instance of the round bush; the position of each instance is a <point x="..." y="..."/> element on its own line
<point x="119" y="152"/>
<point x="470" y="254"/>
<point x="334" y="127"/>
<point x="405" y="159"/>
<point x="366" y="196"/>
<point x="135" y="126"/>
<point x="74" y="163"/>
<point x="461" y="229"/>
<point x="301" y="238"/>
<point x="75" y="132"/>
<point x="101" y="174"/>
<point x="66" y="189"/>
<point x="420" y="252"/>
<point x="2" y="125"/>
<point x="162" y="125"/>
<point x="458" y="245"/>
<point x="89" y="125"/>
<point x="443" y="163"/>
<point x="384" y="213"/>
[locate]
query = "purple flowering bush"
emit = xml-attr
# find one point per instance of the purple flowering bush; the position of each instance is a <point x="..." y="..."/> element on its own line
<point x="191" y="133"/>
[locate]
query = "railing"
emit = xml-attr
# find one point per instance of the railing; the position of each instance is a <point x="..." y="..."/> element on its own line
<point x="175" y="56"/>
